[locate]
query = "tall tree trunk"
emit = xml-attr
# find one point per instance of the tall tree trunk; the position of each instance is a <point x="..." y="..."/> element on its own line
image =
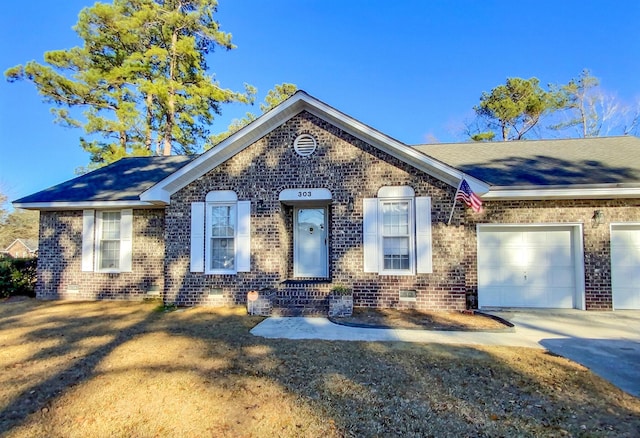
<point x="171" y="102"/>
<point x="123" y="140"/>
<point x="149" y="120"/>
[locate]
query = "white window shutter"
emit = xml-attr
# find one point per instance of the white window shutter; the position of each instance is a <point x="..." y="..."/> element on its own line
<point x="424" y="264"/>
<point x="370" y="235"/>
<point x="126" y="239"/>
<point x="243" y="237"/>
<point x="88" y="239"/>
<point x="197" y="237"/>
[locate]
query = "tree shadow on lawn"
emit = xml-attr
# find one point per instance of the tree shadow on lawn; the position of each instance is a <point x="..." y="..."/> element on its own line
<point x="123" y="369"/>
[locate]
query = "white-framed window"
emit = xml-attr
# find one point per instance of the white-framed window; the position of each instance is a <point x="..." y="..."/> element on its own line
<point x="396" y="238"/>
<point x="220" y="234"/>
<point x="107" y="240"/>
<point x="397" y="232"/>
<point x="221" y="238"/>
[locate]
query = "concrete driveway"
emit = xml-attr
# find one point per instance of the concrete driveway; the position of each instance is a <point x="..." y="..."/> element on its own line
<point x="608" y="343"/>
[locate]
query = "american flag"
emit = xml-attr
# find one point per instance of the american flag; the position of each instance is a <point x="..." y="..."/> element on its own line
<point x="466" y="195"/>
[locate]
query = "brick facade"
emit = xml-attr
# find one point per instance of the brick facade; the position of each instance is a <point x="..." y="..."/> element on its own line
<point x="351" y="170"/>
<point x="596" y="238"/>
<point x="60" y="274"/>
<point x="347" y="167"/>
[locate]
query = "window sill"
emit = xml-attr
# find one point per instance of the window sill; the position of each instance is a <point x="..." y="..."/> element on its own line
<point x="220" y="272"/>
<point x="396" y="273"/>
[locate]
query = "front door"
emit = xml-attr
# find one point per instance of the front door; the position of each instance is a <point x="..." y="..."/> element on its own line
<point x="310" y="255"/>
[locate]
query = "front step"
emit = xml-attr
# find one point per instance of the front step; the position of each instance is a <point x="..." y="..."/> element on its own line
<point x="298" y="311"/>
<point x="300" y="298"/>
<point x="304" y="298"/>
<point x="300" y="302"/>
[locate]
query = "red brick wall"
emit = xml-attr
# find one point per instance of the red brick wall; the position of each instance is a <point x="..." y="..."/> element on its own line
<point x="18" y="250"/>
<point x="347" y="167"/>
<point x="596" y="239"/>
<point x="60" y="258"/>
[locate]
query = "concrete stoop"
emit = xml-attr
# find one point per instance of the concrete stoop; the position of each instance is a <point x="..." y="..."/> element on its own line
<point x="290" y="301"/>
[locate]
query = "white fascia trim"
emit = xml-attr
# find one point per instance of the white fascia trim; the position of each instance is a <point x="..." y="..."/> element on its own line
<point x="395" y="148"/>
<point x="86" y="205"/>
<point x="301" y="101"/>
<point x="487" y="225"/>
<point x="562" y="193"/>
<point x="222" y="152"/>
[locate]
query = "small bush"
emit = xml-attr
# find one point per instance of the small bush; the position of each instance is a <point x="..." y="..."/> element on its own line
<point x="340" y="289"/>
<point x="17" y="277"/>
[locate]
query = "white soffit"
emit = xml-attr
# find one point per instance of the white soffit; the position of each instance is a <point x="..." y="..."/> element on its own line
<point x="85" y="204"/>
<point x="541" y="193"/>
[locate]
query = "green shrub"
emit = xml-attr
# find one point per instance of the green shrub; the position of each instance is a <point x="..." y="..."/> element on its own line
<point x="17" y="277"/>
<point x="340" y="289"/>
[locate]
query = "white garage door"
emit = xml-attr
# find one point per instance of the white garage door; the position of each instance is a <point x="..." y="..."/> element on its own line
<point x="526" y="266"/>
<point x="625" y="266"/>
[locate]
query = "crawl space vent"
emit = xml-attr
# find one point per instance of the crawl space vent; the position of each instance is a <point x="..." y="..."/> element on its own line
<point x="304" y="145"/>
<point x="407" y="295"/>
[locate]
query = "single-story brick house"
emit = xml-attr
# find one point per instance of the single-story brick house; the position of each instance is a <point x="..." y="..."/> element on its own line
<point x="22" y="249"/>
<point x="306" y="197"/>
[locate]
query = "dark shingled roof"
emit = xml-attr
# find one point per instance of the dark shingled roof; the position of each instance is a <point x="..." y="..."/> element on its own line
<point x="123" y="180"/>
<point x="604" y="160"/>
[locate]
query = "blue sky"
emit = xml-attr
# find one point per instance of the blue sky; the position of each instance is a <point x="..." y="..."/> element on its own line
<point x="412" y="69"/>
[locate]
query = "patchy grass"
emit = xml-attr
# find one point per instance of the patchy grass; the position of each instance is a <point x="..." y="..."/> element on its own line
<point x="123" y="369"/>
<point x="422" y="320"/>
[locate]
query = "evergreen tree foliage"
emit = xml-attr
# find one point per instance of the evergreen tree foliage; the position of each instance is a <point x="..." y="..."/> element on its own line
<point x="140" y="78"/>
<point x="275" y="96"/>
<point x="513" y="109"/>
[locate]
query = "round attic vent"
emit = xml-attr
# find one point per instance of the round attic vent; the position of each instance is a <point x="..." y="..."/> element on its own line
<point x="304" y="145"/>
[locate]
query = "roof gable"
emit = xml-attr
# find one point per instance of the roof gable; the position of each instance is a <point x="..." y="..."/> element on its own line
<point x="269" y="121"/>
<point x="30" y="245"/>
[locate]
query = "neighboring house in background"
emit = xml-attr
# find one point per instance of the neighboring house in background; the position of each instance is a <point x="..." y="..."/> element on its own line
<point x="306" y="197"/>
<point x="22" y="249"/>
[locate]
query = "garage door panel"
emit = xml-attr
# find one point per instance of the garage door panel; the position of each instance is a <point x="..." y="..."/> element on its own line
<point x="497" y="277"/>
<point x="560" y="298"/>
<point x="562" y="277"/>
<point x="625" y="266"/>
<point x="626" y="237"/>
<point x="628" y="274"/>
<point x="626" y="256"/>
<point x="534" y="267"/>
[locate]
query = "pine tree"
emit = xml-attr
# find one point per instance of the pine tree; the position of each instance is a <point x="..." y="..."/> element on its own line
<point x="140" y="78"/>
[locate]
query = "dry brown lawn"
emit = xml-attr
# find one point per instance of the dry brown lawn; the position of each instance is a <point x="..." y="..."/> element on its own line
<point x="125" y="370"/>
<point x="420" y="320"/>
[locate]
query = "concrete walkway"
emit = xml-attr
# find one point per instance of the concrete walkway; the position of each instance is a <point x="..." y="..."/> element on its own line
<point x="608" y="343"/>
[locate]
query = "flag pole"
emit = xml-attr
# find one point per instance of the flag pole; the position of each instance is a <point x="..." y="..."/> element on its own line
<point x="455" y="201"/>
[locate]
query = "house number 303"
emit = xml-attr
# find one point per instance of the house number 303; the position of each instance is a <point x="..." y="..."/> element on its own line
<point x="306" y="194"/>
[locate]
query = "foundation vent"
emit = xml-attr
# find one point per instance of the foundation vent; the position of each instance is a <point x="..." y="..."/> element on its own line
<point x="407" y="295"/>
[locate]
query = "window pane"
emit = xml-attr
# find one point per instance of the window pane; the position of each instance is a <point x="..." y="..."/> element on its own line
<point x="222" y="253"/>
<point x="223" y="221"/>
<point x="110" y="254"/>
<point x="395" y="218"/>
<point x="110" y="240"/>
<point x="396" y="252"/>
<point x="111" y="225"/>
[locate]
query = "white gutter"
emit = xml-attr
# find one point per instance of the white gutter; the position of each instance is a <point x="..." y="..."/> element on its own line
<point x="503" y="194"/>
<point x="85" y="205"/>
